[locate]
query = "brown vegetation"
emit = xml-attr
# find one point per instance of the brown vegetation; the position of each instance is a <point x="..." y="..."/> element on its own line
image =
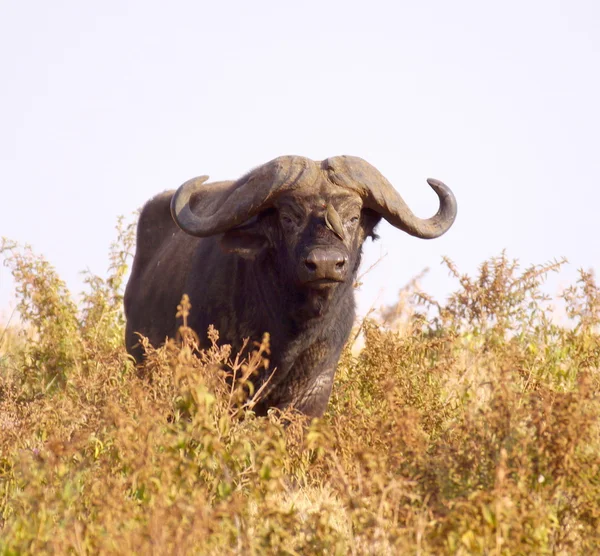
<point x="472" y="429"/>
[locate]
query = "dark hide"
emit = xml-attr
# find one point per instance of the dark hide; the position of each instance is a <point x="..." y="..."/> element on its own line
<point x="253" y="279"/>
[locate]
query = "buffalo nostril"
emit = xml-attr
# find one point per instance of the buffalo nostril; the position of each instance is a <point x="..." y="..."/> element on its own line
<point x="310" y="265"/>
<point x="340" y="264"/>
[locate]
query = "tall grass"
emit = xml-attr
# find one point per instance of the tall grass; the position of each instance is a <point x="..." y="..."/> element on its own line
<point x="472" y="429"/>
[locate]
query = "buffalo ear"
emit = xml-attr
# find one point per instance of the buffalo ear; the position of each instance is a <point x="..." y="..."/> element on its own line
<point x="370" y="220"/>
<point x="243" y="242"/>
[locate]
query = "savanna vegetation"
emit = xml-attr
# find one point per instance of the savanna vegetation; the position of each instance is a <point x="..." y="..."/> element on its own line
<point x="468" y="426"/>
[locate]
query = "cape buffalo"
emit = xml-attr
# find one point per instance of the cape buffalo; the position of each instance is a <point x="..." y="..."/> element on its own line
<point x="276" y="251"/>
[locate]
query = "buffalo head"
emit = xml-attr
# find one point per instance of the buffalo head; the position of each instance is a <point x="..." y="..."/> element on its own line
<point x="311" y="218"/>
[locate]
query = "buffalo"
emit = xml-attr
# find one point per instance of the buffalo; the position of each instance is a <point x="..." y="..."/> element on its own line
<point x="275" y="251"/>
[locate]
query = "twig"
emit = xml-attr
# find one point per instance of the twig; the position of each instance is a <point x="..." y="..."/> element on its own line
<point x="7" y="325"/>
<point x="361" y="276"/>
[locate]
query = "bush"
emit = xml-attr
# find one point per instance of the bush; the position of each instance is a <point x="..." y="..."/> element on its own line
<point x="473" y="428"/>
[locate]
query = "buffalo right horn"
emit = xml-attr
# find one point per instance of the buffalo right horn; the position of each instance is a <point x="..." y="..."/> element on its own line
<point x="224" y="205"/>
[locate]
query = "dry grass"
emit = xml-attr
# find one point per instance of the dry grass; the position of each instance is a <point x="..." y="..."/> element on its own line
<point x="473" y="428"/>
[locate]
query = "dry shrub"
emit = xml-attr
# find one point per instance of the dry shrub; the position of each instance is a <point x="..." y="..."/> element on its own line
<point x="472" y="428"/>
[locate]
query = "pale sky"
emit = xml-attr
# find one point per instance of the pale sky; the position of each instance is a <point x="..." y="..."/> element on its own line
<point x="103" y="105"/>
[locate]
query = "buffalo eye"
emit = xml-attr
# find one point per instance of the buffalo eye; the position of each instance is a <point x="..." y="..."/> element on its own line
<point x="353" y="220"/>
<point x="288" y="221"/>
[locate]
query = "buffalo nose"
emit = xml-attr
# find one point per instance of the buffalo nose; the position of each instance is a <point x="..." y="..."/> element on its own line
<point x="325" y="264"/>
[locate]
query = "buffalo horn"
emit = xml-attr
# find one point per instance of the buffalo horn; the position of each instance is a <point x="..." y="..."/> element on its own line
<point x="220" y="206"/>
<point x="379" y="195"/>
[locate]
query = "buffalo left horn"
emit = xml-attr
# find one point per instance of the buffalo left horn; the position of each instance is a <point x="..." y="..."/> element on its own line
<point x="379" y="195"/>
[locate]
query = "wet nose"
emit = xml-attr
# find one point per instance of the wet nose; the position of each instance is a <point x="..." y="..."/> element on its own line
<point x="325" y="264"/>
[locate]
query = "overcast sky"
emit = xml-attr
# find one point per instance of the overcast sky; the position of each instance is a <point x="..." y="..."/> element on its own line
<point x="104" y="104"/>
